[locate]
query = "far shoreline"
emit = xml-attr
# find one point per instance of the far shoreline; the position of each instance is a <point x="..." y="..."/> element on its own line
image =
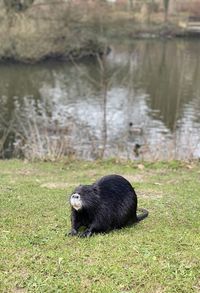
<point x="102" y="47"/>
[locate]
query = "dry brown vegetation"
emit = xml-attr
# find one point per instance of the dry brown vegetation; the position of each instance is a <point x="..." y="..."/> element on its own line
<point x="75" y="28"/>
<point x="45" y="30"/>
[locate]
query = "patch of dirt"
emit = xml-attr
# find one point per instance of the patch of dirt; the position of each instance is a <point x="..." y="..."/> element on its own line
<point x="26" y="172"/>
<point x="93" y="173"/>
<point x="19" y="290"/>
<point x="57" y="185"/>
<point x="134" y="178"/>
<point x="150" y="194"/>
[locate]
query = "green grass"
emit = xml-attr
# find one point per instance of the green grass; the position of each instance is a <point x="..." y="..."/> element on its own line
<point x="161" y="254"/>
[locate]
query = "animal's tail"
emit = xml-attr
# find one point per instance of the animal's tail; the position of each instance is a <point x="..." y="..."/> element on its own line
<point x="144" y="214"/>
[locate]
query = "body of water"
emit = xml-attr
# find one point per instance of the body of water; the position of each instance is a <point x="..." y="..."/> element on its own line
<point x="141" y="101"/>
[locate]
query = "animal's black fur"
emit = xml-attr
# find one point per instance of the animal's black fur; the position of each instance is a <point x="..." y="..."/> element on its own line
<point x="110" y="203"/>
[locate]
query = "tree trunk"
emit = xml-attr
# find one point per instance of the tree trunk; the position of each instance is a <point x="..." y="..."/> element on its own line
<point x="166" y="8"/>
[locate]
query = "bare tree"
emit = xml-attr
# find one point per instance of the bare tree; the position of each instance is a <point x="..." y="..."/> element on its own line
<point x="104" y="92"/>
<point x="166" y="8"/>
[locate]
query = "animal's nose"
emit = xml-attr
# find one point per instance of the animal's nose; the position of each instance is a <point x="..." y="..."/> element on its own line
<point x="75" y="195"/>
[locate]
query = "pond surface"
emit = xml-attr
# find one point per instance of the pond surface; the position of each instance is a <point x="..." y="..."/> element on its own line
<point x="141" y="101"/>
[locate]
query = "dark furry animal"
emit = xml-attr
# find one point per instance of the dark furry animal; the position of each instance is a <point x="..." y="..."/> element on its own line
<point x="110" y="203"/>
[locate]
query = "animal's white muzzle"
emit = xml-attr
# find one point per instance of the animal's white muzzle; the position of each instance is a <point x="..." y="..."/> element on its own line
<point x="75" y="201"/>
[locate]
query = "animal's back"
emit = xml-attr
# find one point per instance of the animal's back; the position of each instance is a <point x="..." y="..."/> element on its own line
<point x="118" y="199"/>
<point x="115" y="187"/>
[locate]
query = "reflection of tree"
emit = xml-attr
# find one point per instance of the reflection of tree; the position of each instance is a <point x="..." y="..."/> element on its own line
<point x="166" y="73"/>
<point x="18" y="81"/>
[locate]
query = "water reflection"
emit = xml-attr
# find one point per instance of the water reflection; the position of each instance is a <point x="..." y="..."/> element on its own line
<point x="145" y="94"/>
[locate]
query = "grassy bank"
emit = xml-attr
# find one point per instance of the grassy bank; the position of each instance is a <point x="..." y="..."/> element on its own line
<point x="161" y="254"/>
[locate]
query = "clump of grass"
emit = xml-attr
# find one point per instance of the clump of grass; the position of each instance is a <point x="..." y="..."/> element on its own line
<point x="161" y="254"/>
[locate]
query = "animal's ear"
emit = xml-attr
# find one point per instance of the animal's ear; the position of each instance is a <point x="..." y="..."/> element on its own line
<point x="95" y="189"/>
<point x="77" y="188"/>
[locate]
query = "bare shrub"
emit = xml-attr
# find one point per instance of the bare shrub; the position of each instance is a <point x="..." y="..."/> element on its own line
<point x="40" y="137"/>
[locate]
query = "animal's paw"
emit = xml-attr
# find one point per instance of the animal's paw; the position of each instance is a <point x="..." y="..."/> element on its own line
<point x="73" y="232"/>
<point x="86" y="233"/>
